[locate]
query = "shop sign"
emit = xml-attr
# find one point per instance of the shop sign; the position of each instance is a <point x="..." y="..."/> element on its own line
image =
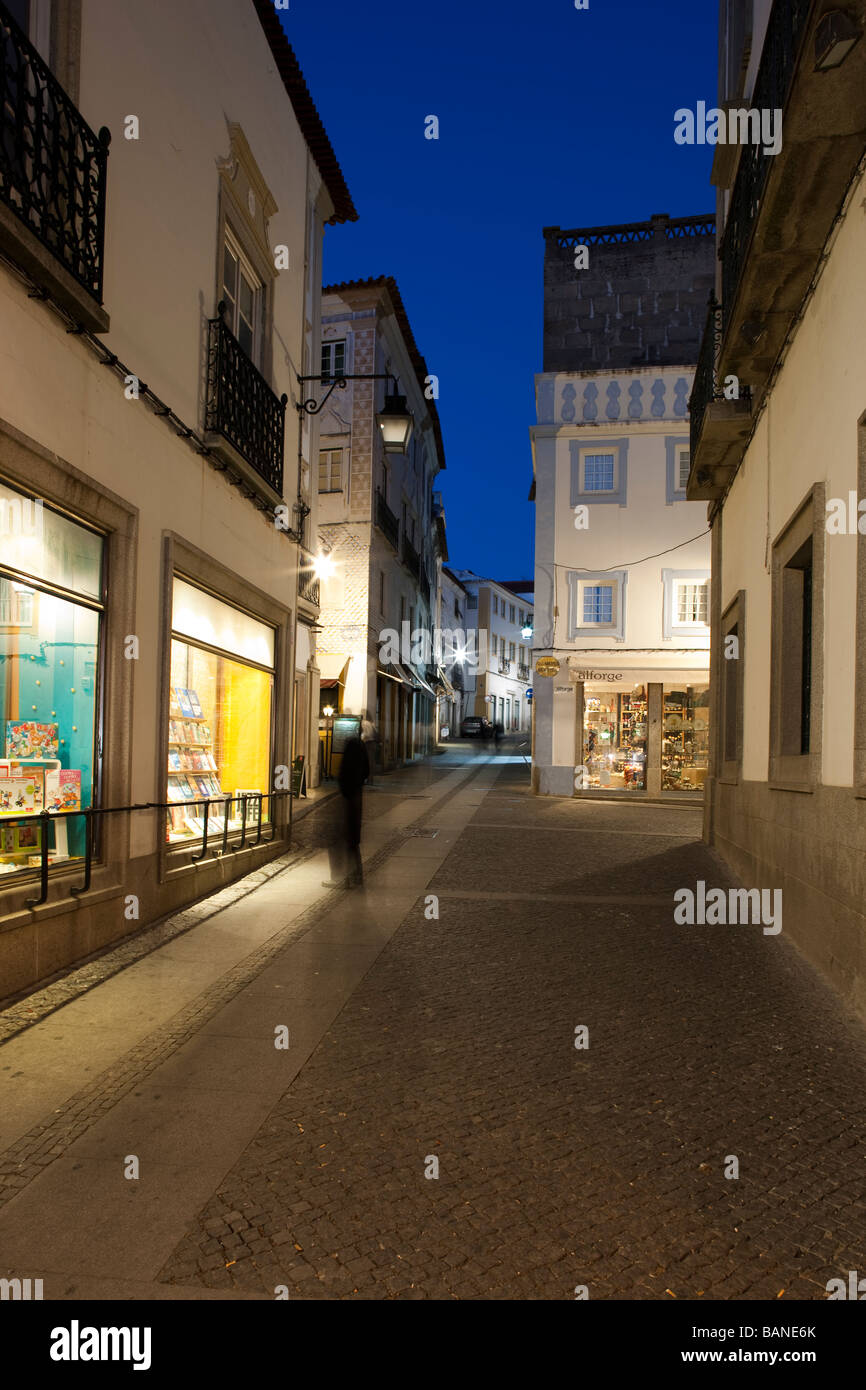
<point x="587" y="674"/>
<point x="547" y="666"/>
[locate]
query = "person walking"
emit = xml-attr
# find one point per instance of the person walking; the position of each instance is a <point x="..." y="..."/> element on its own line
<point x="345" y="852"/>
<point x="370" y="739"/>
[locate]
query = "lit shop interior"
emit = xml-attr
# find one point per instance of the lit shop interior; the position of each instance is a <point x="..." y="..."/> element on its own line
<point x="51" y="605"/>
<point x="615" y="738"/>
<point x="220" y="715"/>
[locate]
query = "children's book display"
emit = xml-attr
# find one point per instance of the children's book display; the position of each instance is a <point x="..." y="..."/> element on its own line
<point x="32" y="781"/>
<point x="193" y="774"/>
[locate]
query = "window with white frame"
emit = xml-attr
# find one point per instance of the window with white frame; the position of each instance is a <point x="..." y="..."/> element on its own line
<point x="691" y="603"/>
<point x="243" y="296"/>
<point x="330" y="470"/>
<point x="596" y="603"/>
<point x="333" y="359"/>
<point x="598" y="472"/>
<point x="683" y="466"/>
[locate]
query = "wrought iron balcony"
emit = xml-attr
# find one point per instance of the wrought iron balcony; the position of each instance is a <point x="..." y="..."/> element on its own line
<point x="785" y="30"/>
<point x="308" y="584"/>
<point x="387" y="521"/>
<point x="705" y="387"/>
<point x="242" y="407"/>
<point x="53" y="168"/>
<point x="411" y="558"/>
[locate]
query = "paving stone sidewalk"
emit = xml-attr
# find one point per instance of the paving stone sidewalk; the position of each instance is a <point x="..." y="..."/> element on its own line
<point x="559" y="1167"/>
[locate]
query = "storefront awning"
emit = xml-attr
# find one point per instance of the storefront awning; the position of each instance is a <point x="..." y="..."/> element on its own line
<point x="449" y="688"/>
<point x="333" y="667"/>
<point x="622" y="675"/>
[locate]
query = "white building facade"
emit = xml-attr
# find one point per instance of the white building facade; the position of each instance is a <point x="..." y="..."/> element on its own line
<point x="498" y="670"/>
<point x="159" y="301"/>
<point x="626" y="638"/>
<point x="782" y="473"/>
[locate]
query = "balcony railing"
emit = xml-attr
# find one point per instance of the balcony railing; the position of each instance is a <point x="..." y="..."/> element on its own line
<point x="522" y="672"/>
<point x="411" y="558"/>
<point x="242" y="407"/>
<point x="387" y="521"/>
<point x="705" y="387"/>
<point x="308" y="584"/>
<point x="53" y="168"/>
<point x="778" y="59"/>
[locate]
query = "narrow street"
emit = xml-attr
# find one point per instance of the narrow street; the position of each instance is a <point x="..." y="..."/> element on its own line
<point x="433" y="1014"/>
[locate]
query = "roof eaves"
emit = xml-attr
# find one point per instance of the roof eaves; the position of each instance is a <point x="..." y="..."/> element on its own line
<point x="308" y="117"/>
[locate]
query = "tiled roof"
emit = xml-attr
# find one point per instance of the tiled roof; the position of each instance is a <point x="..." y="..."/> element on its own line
<point x="308" y="117"/>
<point x="387" y="282"/>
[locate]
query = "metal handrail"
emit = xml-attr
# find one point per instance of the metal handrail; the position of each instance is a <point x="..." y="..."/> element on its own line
<point x="45" y="818"/>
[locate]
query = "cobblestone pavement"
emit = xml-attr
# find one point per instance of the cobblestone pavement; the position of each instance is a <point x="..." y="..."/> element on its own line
<point x="559" y="1167"/>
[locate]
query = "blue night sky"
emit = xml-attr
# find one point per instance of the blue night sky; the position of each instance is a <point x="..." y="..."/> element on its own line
<point x="548" y="116"/>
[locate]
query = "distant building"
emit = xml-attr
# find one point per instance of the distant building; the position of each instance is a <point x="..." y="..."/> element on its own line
<point x="783" y="475"/>
<point x="498" y="674"/>
<point x="376" y="518"/>
<point x="622" y="561"/>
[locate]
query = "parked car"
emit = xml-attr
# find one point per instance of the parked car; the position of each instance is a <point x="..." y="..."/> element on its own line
<point x="476" y="727"/>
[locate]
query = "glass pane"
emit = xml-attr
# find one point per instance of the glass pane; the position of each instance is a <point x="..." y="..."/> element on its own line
<point x="48" y="669"/>
<point x="230" y="280"/>
<point x="598" y="473"/>
<point x="207" y="619"/>
<point x="38" y="541"/>
<point x="219" y="742"/>
<point x="685" y="738"/>
<point x="615" y="739"/>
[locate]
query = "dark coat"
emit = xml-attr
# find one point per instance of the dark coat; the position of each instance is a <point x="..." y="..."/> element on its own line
<point x="354" y="767"/>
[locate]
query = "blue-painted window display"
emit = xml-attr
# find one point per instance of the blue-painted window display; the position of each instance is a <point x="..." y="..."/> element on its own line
<point x="51" y="609"/>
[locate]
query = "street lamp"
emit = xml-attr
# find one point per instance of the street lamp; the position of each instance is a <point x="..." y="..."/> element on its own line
<point x="394" y="419"/>
<point x="835" y="36"/>
<point x="395" y="424"/>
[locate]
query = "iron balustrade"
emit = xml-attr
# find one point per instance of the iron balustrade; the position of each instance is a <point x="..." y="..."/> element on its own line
<point x="387" y="521"/>
<point x="45" y="818"/>
<point x="411" y="558"/>
<point x="785" y="31"/>
<point x="53" y="168"/>
<point x="242" y="407"/>
<point x="308" y="583"/>
<point x="705" y="387"/>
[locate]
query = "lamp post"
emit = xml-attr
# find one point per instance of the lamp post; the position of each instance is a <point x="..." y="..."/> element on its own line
<point x="328" y="712"/>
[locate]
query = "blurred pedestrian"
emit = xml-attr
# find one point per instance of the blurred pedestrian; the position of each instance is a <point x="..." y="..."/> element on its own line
<point x="345" y="850"/>
<point x="370" y="740"/>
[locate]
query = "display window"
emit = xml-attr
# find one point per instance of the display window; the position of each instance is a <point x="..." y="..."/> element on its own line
<point x="51" y="615"/>
<point x="614" y="730"/>
<point x="220" y="715"/>
<point x="686" y="739"/>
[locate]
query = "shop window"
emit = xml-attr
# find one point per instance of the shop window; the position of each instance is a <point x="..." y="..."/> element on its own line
<point x="599" y="471"/>
<point x="614" y="734"/>
<point x="51" y="614"/>
<point x="220" y="714"/>
<point x="596" y="604"/>
<point x="685" y="738"/>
